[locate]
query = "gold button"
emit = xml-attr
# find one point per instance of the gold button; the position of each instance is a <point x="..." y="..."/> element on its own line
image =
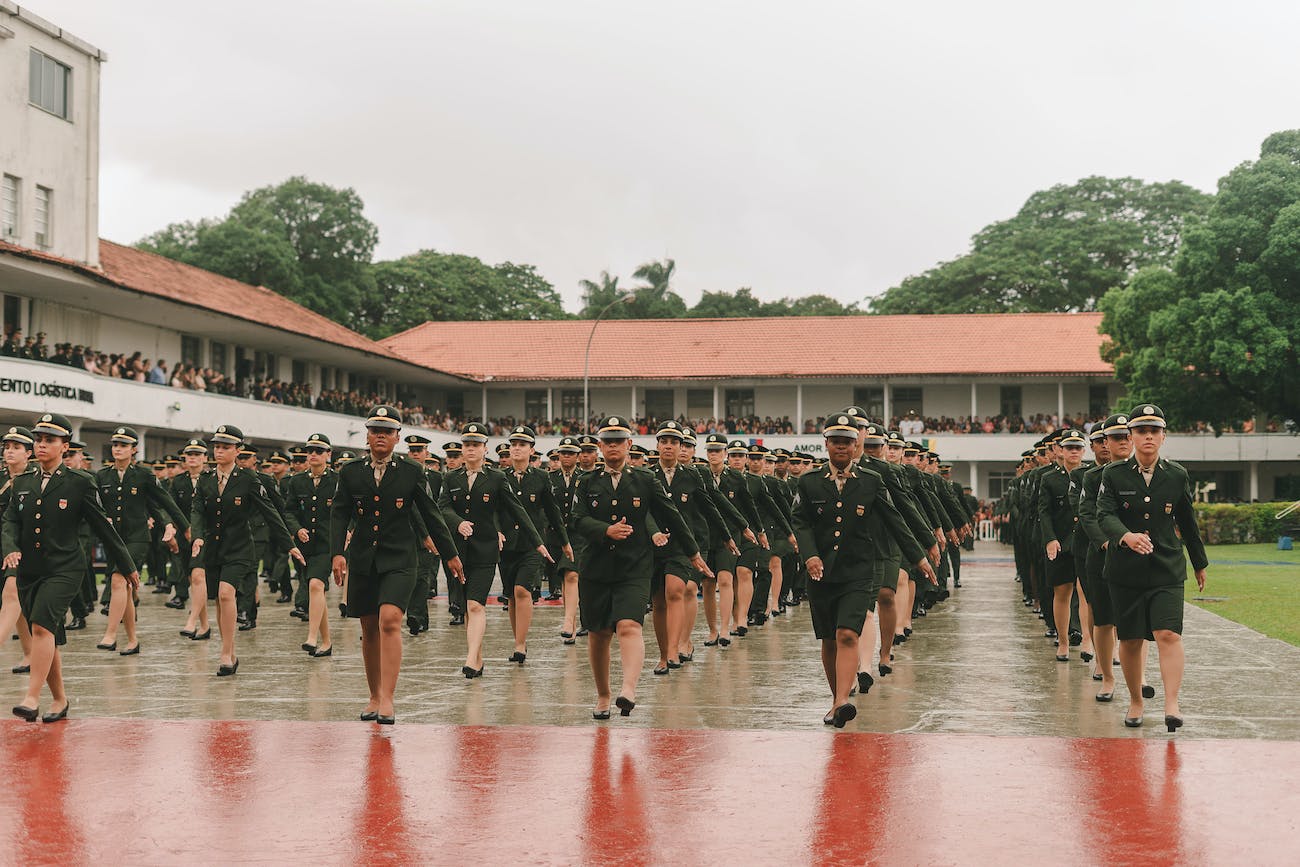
<point x="37" y="516"/>
<point x="38" y="529"/>
<point x="837" y="532"/>
<point x="1146" y="499"/>
<point x="376" y="499"/>
<point x="838" y="518"/>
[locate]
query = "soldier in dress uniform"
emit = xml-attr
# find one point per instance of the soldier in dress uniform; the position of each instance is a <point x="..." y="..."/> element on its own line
<point x="833" y="527"/>
<point x="182" y="488"/>
<point x="731" y="570"/>
<point x="278" y="567"/>
<point x="159" y="551"/>
<point x="426" y="569"/>
<point x="225" y="501"/>
<point x="308" y="499"/>
<point x="83" y="604"/>
<point x="775" y="511"/>
<point x="41" y="545"/>
<point x="1144" y="508"/>
<point x="131" y="497"/>
<point x="479" y="503"/>
<point x="1056" y="520"/>
<point x="378" y="499"/>
<point x="564" y="483"/>
<point x="588" y="452"/>
<point x="18" y="442"/>
<point x="267" y="553"/>
<point x="455" y="589"/>
<point x="521" y="562"/>
<point x="611" y="511"/>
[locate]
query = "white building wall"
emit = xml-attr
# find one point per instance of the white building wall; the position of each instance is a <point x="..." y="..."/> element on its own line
<point x="820" y="399"/>
<point x="952" y="401"/>
<point x="42" y="149"/>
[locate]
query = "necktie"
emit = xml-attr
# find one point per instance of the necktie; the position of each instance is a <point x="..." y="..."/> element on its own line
<point x="613" y="479"/>
<point x="222" y="478"/>
<point x="45" y="478"/>
<point x="380" y="467"/>
<point x="840" y="478"/>
<point x="469" y="479"/>
<point x="315" y="481"/>
<point x="668" y="474"/>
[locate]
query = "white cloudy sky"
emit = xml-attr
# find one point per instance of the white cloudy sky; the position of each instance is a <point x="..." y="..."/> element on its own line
<point x="794" y="147"/>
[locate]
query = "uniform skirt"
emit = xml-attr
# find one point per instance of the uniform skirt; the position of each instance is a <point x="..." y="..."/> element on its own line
<point x="319" y="567"/>
<point x="366" y="593"/>
<point x="675" y="564"/>
<point x="720" y="559"/>
<point x="602" y="604"/>
<point x="888" y="575"/>
<point x="478" y="582"/>
<point x="1061" y="570"/>
<point x="1140" y="611"/>
<point x="839" y="606"/>
<point x="1095" y="588"/>
<point x="44" y="601"/>
<point x="751" y="554"/>
<point x="239" y="574"/>
<point x="520" y="569"/>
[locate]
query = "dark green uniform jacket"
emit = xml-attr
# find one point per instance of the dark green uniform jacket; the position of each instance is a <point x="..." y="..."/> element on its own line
<point x="1125" y="504"/>
<point x="491" y="506"/>
<point x="45" y="525"/>
<point x="1056" y="515"/>
<point x="534" y="491"/>
<point x="307" y="507"/>
<point x="690" y="493"/>
<point x="223" y="520"/>
<point x="385" y="532"/>
<point x="597" y="505"/>
<point x="133" y="499"/>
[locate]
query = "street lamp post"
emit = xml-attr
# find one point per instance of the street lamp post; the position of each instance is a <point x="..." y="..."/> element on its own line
<point x="586" y="358"/>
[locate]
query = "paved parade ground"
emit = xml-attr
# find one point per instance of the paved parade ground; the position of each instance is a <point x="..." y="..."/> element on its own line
<point x="979" y="747"/>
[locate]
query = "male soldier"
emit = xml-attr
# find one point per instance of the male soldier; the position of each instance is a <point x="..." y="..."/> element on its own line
<point x="278" y="470"/>
<point x="636" y="456"/>
<point x="426" y="568"/>
<point x="308" y="498"/>
<point x="131" y="497"/>
<point x="835" y="540"/>
<point x="455" y="589"/>
<point x="611" y="511"/>
<point x="588" y="452"/>
<point x="266" y="552"/>
<point x="972" y="505"/>
<point x="521" y="564"/>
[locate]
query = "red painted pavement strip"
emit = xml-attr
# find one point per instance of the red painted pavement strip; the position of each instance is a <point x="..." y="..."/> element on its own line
<point x="111" y="790"/>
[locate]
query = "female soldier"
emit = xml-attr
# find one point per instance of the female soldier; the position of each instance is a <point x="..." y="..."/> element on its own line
<point x="1056" y="518"/>
<point x="1140" y="503"/>
<point x="17" y="453"/>
<point x="194" y="457"/>
<point x="307" y="500"/>
<point x="41" y="542"/>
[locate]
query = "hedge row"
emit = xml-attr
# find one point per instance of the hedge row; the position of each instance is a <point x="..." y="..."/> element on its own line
<point x="1228" y="524"/>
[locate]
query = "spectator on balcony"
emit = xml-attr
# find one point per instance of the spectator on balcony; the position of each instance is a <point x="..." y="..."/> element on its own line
<point x="158" y="373"/>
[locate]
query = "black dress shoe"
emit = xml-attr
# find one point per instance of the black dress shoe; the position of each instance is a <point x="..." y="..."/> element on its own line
<point x="886" y="669"/>
<point x="1076" y="638"/>
<point x="583" y="631"/>
<point x="1148" y="691"/>
<point x="369" y="716"/>
<point x="21" y="669"/>
<point x="865" y="680"/>
<point x="457" y="620"/>
<point x="741" y="631"/>
<point x="1173" y="723"/>
<point x="161" y="589"/>
<point x="1105" y="697"/>
<point x="283" y="598"/>
<point x="686" y="657"/>
<point x="570" y="640"/>
<point x="624" y="705"/>
<point x="76" y="624"/>
<point x="566" y="634"/>
<point x="27" y="713"/>
<point x="724" y="642"/>
<point x="385" y="720"/>
<point x="1098" y="676"/>
<point x="899" y="639"/>
<point x="63" y="714"/>
<point x="227" y="670"/>
<point x="1061" y="658"/>
<point x="1133" y="722"/>
<point x="320" y="654"/>
<point x="131" y="651"/>
<point x="102" y="646"/>
<point x="713" y="643"/>
<point x="309" y="648"/>
<point x="829" y="719"/>
<point x="518" y="657"/>
<point x="1086" y="656"/>
<point x="907" y="632"/>
<point x="1051" y="633"/>
<point x="202" y="636"/>
<point x="600" y="714"/>
<point x="471" y="673"/>
<point x="674" y="664"/>
<point x="103" y="610"/>
<point x="660" y="671"/>
<point x="174" y="604"/>
<point x="412" y="627"/>
<point x="299" y="613"/>
<point x="844" y="713"/>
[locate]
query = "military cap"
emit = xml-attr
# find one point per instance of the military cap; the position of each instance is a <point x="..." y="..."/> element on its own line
<point x="637" y="449"/>
<point x="895" y="438"/>
<point x="779" y="454"/>
<point x="1027" y="453"/>
<point x="522" y="434"/>
<point x="1146" y="415"/>
<point x="587" y="442"/>
<point x="317" y="441"/>
<point x="1052" y="437"/>
<point x="298" y="452"/>
<point x="473" y="432"/>
<point x="1115" y="424"/>
<point x="248" y="450"/>
<point x="1071" y="437"/>
<point x="53" y="423"/>
<point x="757" y="450"/>
<point x="159" y="464"/>
<point x="76" y="446"/>
<point x="278" y="456"/>
<point x="715" y="441"/>
<point x="614" y="427"/>
<point x="195" y="447"/>
<point x="931" y="454"/>
<point x="385" y="417"/>
<point x="227" y="433"/>
<point x="945" y="468"/>
<point x="502" y="448"/>
<point x="451" y="448"/>
<point x="345" y="456"/>
<point x="841" y="425"/>
<point x="124" y="436"/>
<point x="416" y="440"/>
<point x="875" y="434"/>
<point x="911" y="448"/>
<point x="19" y="435"/>
<point x="688" y="436"/>
<point x="671" y="428"/>
<point x="489" y="462"/>
<point x="171" y="460"/>
<point x="737" y="447"/>
<point x="858" y="413"/>
<point x="567" y="446"/>
<point x="1098" y="432"/>
<point x="652" y="454"/>
<point x="1041" y="445"/>
<point x="433" y="459"/>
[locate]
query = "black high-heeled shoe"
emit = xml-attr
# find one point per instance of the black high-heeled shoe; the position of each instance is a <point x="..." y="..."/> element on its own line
<point x="63" y="714"/>
<point x="600" y="714"/>
<point x="1133" y="722"/>
<point x="369" y="716"/>
<point x="385" y="720"/>
<point x="1173" y="723"/>
<point x="724" y="642"/>
<point x="885" y="669"/>
<point x="1105" y="697"/>
<point x="907" y="632"/>
<point x="624" y="705"/>
<point x="309" y="648"/>
<point x="1148" y="691"/>
<point x="674" y="664"/>
<point x="130" y="651"/>
<point x="188" y="633"/>
<point x="471" y="673"/>
<point x="517" y="657"/>
<point x="865" y="682"/>
<point x="26" y="713"/>
<point x="321" y="654"/>
<point x="21" y="669"/>
<point x="1086" y="656"/>
<point x="203" y="636"/>
<point x="844" y="714"/>
<point x="660" y="671"/>
<point x="227" y="670"/>
<point x="711" y="643"/>
<point x="103" y="646"/>
<point x="829" y="719"/>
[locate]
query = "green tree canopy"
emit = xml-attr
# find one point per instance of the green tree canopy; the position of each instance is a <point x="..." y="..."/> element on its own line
<point x="1214" y="337"/>
<point x="742" y="303"/>
<point x="1065" y="248"/>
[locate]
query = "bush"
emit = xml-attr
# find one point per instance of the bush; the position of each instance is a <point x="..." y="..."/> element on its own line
<point x="1228" y="524"/>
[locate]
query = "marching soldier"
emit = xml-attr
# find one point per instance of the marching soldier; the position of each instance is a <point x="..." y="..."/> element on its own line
<point x="1056" y="518"/>
<point x="426" y="569"/>
<point x="265" y="552"/>
<point x="564" y="484"/>
<point x="308" y="498"/>
<point x="1144" y="508"/>
<point x="618" y="560"/>
<point x="191" y="586"/>
<point x="17" y="456"/>
<point x="380" y="497"/>
<point x="278" y="567"/>
<point x="731" y="570"/>
<point x="455" y="589"/>
<point x="42" y="547"/>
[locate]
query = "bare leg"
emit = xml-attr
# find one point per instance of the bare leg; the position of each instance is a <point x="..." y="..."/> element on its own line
<point x="318" y="628"/>
<point x="1061" y="594"/>
<point x="690" y="610"/>
<point x="226" y="616"/>
<point x="726" y="602"/>
<point x="598" y="642"/>
<point x="370" y="657"/>
<point x="846" y="664"/>
<point x="659" y="620"/>
<point x="903" y="601"/>
<point x="128" y="614"/>
<point x="521" y="617"/>
<point x="774" y="597"/>
<point x="711" y="606"/>
<point x="828" y="666"/>
<point x="1173" y="660"/>
<point x="118" y="604"/>
<point x="888" y="617"/>
<point x="631" y="648"/>
<point x="1085" y="619"/>
<point x="744" y="595"/>
<point x="1130" y="661"/>
<point x="198" y="619"/>
<point x="475" y="626"/>
<point x="11" y="618"/>
<point x="675" y="601"/>
<point x="1104" y="640"/>
<point x="43" y="654"/>
<point x="390" y="655"/>
<point x="570" y="602"/>
<point x="867" y="645"/>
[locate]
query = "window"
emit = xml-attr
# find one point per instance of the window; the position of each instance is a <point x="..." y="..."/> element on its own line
<point x="1098" y="401"/>
<point x="998" y="482"/>
<point x="219" y="353"/>
<point x="699" y="403"/>
<point x="871" y="398"/>
<point x="42" y="216"/>
<point x="47" y="87"/>
<point x="191" y="349"/>
<point x="9" y="199"/>
<point x="456" y="404"/>
<point x="299" y="371"/>
<point x="1010" y="405"/>
<point x="571" y="403"/>
<point x="535" y="403"/>
<point x="12" y="313"/>
<point x="659" y="403"/>
<point x="739" y="402"/>
<point x="907" y="399"/>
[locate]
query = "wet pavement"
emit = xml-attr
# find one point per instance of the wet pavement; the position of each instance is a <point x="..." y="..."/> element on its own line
<point x="979" y="747"/>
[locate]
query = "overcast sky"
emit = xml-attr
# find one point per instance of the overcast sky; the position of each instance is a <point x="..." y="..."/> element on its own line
<point x="792" y="147"/>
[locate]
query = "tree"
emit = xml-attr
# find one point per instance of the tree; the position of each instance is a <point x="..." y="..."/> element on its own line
<point x="1214" y="337"/>
<point x="429" y="285"/>
<point x="1064" y="249"/>
<point x="742" y="303"/>
<point x="656" y="298"/>
<point x="598" y="294"/>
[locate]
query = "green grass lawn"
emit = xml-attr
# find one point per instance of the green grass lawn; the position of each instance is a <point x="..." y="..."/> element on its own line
<point x="1262" y="586"/>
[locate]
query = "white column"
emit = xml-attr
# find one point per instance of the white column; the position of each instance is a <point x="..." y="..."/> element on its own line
<point x="1254" y="481"/>
<point x="889" y="409"/>
<point x="550" y="404"/>
<point x="974" y="411"/>
<point x="798" y="408"/>
<point x="139" y="444"/>
<point x="483" y="389"/>
<point x="975" y="479"/>
<point x="1060" y="402"/>
<point x="717" y="411"/>
<point x="632" y="412"/>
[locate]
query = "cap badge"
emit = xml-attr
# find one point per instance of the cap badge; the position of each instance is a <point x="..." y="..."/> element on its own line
<point x="381" y="411"/>
<point x="221" y="429"/>
<point x="47" y="417"/>
<point x="1148" y="409"/>
<point x="844" y="419"/>
<point x="1123" y="420"/>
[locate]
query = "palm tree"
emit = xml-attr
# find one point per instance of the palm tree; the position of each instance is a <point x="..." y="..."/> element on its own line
<point x="657" y="300"/>
<point x="598" y="295"/>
